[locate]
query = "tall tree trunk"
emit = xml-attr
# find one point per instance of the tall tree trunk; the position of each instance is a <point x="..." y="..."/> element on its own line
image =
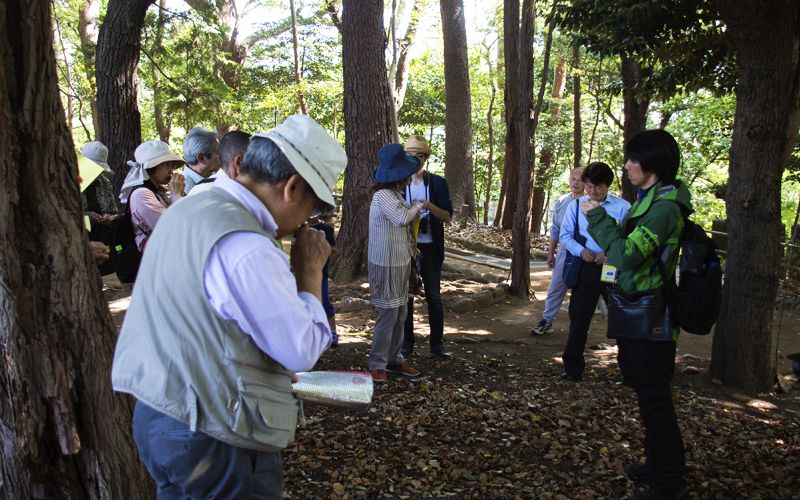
<point x="63" y="432"/>
<point x="162" y="126"/>
<point x="521" y="242"/>
<point x="765" y="37"/>
<point x="398" y="79"/>
<point x="508" y="191"/>
<point x="367" y="124"/>
<point x="635" y="106"/>
<point x="298" y="80"/>
<point x="544" y="172"/>
<point x="118" y="48"/>
<point x="458" y="170"/>
<point x="577" y="128"/>
<point x="88" y="28"/>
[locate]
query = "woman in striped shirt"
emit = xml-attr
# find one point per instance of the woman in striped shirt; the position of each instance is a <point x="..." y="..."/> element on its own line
<point x="391" y="249"/>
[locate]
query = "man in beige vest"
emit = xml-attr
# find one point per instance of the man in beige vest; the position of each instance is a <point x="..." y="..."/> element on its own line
<point x="220" y="319"/>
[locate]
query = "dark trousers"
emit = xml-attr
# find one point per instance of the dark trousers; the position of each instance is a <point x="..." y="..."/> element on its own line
<point x="431" y="271"/>
<point x="649" y="366"/>
<point x="582" y="304"/>
<point x="186" y="464"/>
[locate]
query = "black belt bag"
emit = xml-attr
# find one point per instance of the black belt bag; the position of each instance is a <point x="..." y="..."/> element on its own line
<point x="640" y="315"/>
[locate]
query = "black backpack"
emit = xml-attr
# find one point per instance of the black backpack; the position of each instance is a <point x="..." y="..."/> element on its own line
<point x="695" y="300"/>
<point x="124" y="252"/>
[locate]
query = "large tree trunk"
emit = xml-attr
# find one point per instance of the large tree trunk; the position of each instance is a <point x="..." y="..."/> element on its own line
<point x="118" y="48"/>
<point x="398" y="75"/>
<point x="458" y="112"/>
<point x="63" y="432"/>
<point x="765" y="36"/>
<point x="521" y="242"/>
<point x="635" y="106"/>
<point x="490" y="126"/>
<point x="508" y="191"/>
<point x="368" y="126"/>
<point x="577" y="129"/>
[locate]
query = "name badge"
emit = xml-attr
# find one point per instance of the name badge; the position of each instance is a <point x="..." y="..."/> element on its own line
<point x="608" y="274"/>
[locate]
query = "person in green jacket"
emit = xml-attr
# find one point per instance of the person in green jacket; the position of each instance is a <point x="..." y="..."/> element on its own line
<point x="651" y="230"/>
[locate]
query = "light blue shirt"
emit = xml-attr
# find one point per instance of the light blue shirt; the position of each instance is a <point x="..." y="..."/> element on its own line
<point x="615" y="206"/>
<point x="558" y="215"/>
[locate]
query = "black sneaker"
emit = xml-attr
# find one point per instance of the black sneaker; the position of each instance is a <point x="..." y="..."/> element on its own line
<point x="440" y="352"/>
<point x="649" y="493"/>
<point x="543" y="328"/>
<point x="571" y="377"/>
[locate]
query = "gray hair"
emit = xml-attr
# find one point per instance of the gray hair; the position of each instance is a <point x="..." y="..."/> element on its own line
<point x="265" y="162"/>
<point x="199" y="141"/>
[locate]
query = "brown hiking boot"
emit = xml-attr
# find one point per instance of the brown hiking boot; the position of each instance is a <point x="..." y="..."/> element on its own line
<point x="378" y="376"/>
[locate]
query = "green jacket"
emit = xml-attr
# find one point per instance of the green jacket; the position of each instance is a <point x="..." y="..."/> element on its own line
<point x="632" y="246"/>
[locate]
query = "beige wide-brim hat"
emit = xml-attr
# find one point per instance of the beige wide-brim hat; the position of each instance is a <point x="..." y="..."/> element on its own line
<point x="98" y="153"/>
<point x="312" y="151"/>
<point x="417" y="144"/>
<point x="153" y="153"/>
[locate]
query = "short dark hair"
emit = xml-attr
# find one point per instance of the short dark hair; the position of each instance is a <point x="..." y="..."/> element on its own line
<point x="657" y="152"/>
<point x="265" y="162"/>
<point x="598" y="173"/>
<point x="397" y="185"/>
<point x="233" y="143"/>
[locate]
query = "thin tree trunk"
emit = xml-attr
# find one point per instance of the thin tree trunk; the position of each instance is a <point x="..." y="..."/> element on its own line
<point x="298" y="80"/>
<point x="490" y="126"/>
<point x="63" y="432"/>
<point x="399" y="79"/>
<point x="765" y="38"/>
<point x="577" y="130"/>
<point x="118" y="48"/>
<point x="88" y="29"/>
<point x="162" y="126"/>
<point x="635" y="107"/>
<point x="458" y="169"/>
<point x="521" y="243"/>
<point x="367" y="124"/>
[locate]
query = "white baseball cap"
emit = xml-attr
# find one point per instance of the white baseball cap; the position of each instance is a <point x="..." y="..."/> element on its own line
<point x="98" y="153"/>
<point x="312" y="151"/>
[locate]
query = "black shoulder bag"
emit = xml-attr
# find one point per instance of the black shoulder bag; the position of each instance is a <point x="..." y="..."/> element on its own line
<point x="572" y="263"/>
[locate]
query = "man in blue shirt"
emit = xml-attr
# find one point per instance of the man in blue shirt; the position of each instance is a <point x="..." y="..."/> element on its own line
<point x="597" y="178"/>
<point x="555" y="261"/>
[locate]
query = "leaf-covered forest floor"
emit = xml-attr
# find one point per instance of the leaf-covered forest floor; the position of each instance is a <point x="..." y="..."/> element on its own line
<point x="497" y="422"/>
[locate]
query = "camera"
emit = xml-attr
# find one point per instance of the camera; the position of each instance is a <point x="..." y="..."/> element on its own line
<point x="423" y="225"/>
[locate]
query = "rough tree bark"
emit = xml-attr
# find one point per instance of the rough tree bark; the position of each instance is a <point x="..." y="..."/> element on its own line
<point x="521" y="242"/>
<point x="577" y="129"/>
<point x="765" y="37"/>
<point x="367" y="122"/>
<point x="635" y="106"/>
<point x="118" y="48"/>
<point x="63" y="432"/>
<point x="458" y="169"/>
<point x="508" y="190"/>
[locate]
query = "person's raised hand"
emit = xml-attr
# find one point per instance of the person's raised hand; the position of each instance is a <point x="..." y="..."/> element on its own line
<point x="177" y="183"/>
<point x="587" y="205"/>
<point x="310" y="250"/>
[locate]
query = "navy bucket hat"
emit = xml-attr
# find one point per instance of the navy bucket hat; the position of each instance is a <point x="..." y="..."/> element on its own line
<point x="395" y="165"/>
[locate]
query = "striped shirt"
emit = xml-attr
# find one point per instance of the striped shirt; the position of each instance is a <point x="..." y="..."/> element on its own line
<point x="390" y="249"/>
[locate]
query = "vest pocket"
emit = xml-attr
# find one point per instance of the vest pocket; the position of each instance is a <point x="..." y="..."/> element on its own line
<point x="266" y="418"/>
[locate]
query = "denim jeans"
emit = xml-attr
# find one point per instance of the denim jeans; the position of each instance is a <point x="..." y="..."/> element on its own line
<point x="186" y="464"/>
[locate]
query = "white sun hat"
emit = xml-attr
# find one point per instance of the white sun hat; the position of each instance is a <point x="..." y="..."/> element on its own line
<point x="98" y="153"/>
<point x="312" y="151"/>
<point x="148" y="155"/>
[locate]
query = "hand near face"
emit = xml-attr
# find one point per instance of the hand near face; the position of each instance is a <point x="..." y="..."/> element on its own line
<point x="310" y="250"/>
<point x="177" y="183"/>
<point x="589" y="205"/>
